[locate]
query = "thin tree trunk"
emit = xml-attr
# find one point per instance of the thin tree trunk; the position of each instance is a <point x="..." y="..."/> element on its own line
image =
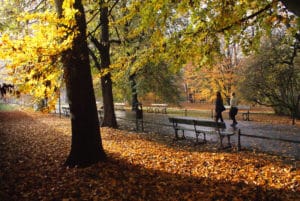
<point x="109" y="118"/>
<point x="134" y="99"/>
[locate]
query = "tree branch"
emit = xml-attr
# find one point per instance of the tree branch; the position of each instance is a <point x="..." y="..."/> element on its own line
<point x="94" y="57"/>
<point x="98" y="45"/>
<point x="115" y="41"/>
<point x="267" y="7"/>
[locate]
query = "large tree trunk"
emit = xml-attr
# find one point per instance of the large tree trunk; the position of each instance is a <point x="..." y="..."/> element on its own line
<point x="109" y="118"/>
<point x="86" y="145"/>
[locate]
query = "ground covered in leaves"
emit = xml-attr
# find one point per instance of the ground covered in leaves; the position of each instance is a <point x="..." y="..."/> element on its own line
<point x="33" y="148"/>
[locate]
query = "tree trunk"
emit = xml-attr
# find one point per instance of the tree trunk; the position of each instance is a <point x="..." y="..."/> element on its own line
<point x="86" y="145"/>
<point x="109" y="118"/>
<point x="292" y="6"/>
<point x="134" y="99"/>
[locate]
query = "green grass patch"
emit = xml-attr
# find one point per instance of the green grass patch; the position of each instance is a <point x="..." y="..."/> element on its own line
<point x="6" y="107"/>
<point x="191" y="113"/>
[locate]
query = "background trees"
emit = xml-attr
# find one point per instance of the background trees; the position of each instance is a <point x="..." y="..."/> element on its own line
<point x="100" y="37"/>
<point x="272" y="75"/>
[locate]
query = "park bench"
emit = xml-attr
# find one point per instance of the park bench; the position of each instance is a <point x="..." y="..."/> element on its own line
<point x="158" y="108"/>
<point x="119" y="106"/>
<point x="201" y="126"/>
<point x="244" y="110"/>
<point x="66" y="110"/>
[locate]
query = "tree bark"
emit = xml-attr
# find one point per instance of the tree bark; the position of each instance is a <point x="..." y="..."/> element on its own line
<point x="292" y="6"/>
<point x="109" y="119"/>
<point x="86" y="147"/>
<point x="134" y="99"/>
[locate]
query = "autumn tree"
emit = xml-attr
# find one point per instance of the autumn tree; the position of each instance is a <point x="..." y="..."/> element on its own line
<point x="142" y="61"/>
<point x="271" y="77"/>
<point x="159" y="80"/>
<point x="102" y="43"/>
<point x="48" y="47"/>
<point x="185" y="31"/>
<point x="31" y="65"/>
<point x="86" y="140"/>
<point x="221" y="75"/>
<point x="241" y="24"/>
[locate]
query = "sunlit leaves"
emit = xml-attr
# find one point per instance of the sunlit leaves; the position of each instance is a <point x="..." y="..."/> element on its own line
<point x="140" y="167"/>
<point x="33" y="55"/>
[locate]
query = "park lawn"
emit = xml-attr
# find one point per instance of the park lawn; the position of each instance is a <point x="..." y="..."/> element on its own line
<point x="6" y="107"/>
<point x="139" y="167"/>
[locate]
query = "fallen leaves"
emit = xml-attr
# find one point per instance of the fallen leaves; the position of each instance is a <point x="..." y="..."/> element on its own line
<point x="139" y="167"/>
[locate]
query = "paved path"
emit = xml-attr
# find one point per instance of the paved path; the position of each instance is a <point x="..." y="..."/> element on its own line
<point x="159" y="123"/>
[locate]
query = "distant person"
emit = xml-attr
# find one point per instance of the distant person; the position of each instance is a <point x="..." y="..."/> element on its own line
<point x="233" y="109"/>
<point x="219" y="107"/>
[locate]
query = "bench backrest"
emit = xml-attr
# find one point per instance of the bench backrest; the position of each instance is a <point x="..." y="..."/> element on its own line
<point x="240" y="107"/>
<point x="181" y="121"/>
<point x="159" y="105"/>
<point x="120" y="104"/>
<point x="207" y="123"/>
<point x="244" y="107"/>
<point x="195" y="122"/>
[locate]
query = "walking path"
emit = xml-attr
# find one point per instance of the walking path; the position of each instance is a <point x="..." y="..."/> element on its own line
<point x="159" y="124"/>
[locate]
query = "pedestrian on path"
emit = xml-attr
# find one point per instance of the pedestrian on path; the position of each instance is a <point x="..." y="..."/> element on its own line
<point x="233" y="109"/>
<point x="219" y="107"/>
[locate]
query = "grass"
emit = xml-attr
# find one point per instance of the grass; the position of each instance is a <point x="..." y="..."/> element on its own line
<point x="6" y="107"/>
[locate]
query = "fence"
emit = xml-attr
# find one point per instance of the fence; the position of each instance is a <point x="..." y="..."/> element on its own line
<point x="263" y="137"/>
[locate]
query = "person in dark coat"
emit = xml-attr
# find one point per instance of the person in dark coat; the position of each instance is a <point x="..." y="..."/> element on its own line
<point x="219" y="107"/>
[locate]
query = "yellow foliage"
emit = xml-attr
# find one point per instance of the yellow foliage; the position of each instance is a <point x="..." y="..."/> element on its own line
<point x="33" y="55"/>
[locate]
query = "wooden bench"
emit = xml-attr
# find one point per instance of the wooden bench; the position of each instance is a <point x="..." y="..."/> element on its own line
<point x="244" y="110"/>
<point x="66" y="110"/>
<point x="158" y="108"/>
<point x="201" y="126"/>
<point x="119" y="106"/>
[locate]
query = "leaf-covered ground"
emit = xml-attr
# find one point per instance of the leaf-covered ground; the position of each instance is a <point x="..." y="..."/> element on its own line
<point x="33" y="147"/>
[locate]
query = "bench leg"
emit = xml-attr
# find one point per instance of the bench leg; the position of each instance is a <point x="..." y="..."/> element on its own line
<point x="246" y="116"/>
<point x="183" y="136"/>
<point x="221" y="141"/>
<point x="197" y="137"/>
<point x="228" y="138"/>
<point x="165" y="110"/>
<point x="177" y="136"/>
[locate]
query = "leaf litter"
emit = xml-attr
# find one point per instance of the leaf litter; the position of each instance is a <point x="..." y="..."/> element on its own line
<point x="139" y="167"/>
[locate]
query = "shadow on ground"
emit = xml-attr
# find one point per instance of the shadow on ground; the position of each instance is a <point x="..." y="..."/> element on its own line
<point x="32" y="154"/>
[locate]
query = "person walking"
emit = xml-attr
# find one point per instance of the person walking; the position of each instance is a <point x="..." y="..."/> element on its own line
<point x="219" y="107"/>
<point x="233" y="109"/>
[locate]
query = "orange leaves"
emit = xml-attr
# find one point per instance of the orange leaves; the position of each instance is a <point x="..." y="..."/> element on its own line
<point x="139" y="167"/>
<point x="232" y="167"/>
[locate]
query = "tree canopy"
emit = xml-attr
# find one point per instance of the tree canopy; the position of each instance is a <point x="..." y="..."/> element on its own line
<point x="271" y="77"/>
<point x="176" y="32"/>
